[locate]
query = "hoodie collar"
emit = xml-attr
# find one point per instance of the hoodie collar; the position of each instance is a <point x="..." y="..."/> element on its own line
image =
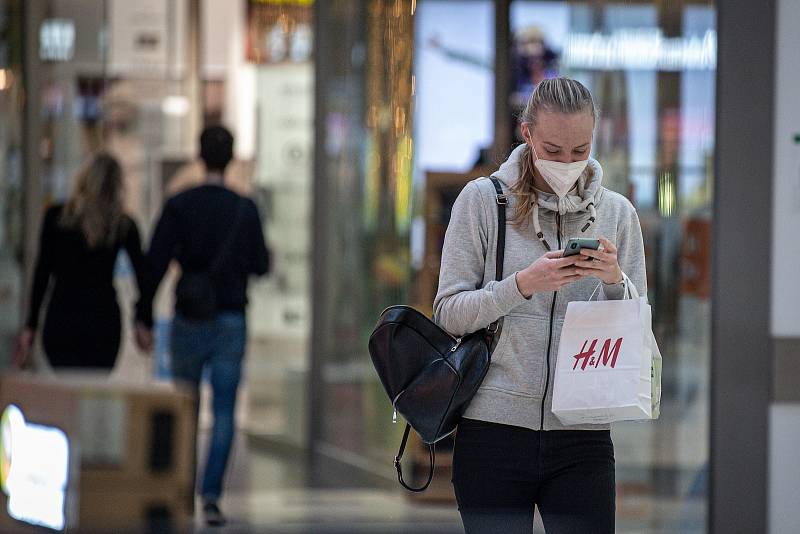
<point x="577" y="200"/>
<point x="581" y="198"/>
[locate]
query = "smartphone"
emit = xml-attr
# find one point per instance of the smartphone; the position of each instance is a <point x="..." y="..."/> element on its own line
<point x="575" y="245"/>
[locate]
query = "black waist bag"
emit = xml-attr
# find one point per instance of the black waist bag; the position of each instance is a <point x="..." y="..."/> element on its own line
<point x="429" y="375"/>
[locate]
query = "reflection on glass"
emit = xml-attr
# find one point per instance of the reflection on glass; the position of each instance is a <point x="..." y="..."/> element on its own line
<point x="368" y="174"/>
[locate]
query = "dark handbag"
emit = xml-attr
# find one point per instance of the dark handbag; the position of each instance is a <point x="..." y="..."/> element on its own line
<point x="429" y="375"/>
<point x="195" y="295"/>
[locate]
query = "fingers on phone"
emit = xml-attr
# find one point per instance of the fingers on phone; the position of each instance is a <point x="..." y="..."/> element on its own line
<point x="589" y="253"/>
<point x="607" y="245"/>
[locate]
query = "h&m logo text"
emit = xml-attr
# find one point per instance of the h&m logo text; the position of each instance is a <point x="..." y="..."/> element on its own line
<point x="608" y="352"/>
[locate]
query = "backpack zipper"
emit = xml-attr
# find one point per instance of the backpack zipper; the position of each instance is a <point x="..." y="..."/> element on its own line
<point x="394" y="407"/>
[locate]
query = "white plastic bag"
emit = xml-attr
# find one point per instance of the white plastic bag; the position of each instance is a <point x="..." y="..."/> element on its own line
<point x="609" y="365"/>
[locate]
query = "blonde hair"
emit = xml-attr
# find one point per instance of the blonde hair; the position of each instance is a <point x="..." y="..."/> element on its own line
<point x="555" y="95"/>
<point x="96" y="204"/>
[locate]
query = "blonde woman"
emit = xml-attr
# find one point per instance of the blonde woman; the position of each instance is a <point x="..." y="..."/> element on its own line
<point x="511" y="452"/>
<point x="78" y="250"/>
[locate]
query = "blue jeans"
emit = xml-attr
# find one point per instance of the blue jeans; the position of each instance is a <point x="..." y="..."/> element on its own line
<point x="219" y="344"/>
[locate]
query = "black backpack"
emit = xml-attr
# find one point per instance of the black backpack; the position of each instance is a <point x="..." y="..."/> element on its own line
<point x="429" y="375"/>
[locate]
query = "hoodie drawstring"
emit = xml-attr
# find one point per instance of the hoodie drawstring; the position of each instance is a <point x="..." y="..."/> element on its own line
<point x="592" y="217"/>
<point x="538" y="227"/>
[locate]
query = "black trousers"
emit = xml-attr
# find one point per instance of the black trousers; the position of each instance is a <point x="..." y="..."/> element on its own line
<point x="500" y="472"/>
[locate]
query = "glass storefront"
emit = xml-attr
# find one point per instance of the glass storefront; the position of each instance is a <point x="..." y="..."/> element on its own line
<point x="363" y="192"/>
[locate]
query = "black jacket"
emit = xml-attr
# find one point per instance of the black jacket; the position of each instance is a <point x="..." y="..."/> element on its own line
<point x="192" y="229"/>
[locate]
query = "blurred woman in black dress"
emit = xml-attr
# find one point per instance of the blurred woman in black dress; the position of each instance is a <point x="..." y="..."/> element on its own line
<point x="78" y="250"/>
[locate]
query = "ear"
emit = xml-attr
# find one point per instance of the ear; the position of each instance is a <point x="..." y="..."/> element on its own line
<point x="526" y="133"/>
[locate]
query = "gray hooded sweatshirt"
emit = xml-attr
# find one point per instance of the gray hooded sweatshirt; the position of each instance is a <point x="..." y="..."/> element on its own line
<point x="518" y="389"/>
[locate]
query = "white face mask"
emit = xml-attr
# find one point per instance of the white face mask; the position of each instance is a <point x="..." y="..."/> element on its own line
<point x="561" y="177"/>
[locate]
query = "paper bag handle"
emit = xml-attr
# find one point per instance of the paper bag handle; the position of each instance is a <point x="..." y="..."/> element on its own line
<point x="630" y="289"/>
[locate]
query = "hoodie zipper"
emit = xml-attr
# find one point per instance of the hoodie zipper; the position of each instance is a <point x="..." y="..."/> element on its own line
<point x="552" y="321"/>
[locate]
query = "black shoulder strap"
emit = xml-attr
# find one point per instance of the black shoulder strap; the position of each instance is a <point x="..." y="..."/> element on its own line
<point x="502" y="202"/>
<point x="431" y="454"/>
<point x="231" y="237"/>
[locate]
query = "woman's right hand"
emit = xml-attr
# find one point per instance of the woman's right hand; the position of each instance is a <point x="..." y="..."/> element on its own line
<point x="550" y="272"/>
<point x="24" y="344"/>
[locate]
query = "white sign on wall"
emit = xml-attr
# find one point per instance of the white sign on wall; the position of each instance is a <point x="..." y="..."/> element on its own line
<point x="140" y="34"/>
<point x="786" y="174"/>
<point x="640" y="49"/>
<point x="285" y="114"/>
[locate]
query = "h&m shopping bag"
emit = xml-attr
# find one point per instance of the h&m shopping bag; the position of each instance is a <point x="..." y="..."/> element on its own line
<point x="609" y="365"/>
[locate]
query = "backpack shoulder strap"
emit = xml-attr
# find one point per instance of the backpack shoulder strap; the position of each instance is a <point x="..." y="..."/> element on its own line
<point x="432" y="457"/>
<point x="502" y="202"/>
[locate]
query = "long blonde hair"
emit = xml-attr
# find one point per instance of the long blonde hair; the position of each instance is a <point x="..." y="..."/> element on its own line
<point x="96" y="206"/>
<point x="560" y="95"/>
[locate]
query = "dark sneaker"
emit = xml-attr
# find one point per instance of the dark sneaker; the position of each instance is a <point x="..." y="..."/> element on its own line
<point x="213" y="515"/>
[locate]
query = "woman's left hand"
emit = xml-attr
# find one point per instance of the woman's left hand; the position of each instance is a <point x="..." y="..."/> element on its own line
<point x="601" y="263"/>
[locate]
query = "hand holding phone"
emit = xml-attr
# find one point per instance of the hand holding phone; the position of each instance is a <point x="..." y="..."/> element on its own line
<point x="602" y="264"/>
<point x="549" y="272"/>
<point x="575" y="245"/>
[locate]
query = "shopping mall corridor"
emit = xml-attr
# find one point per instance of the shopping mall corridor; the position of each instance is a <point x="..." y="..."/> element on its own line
<point x="267" y="492"/>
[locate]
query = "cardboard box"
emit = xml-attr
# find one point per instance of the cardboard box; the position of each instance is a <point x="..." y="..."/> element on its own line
<point x="130" y="446"/>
